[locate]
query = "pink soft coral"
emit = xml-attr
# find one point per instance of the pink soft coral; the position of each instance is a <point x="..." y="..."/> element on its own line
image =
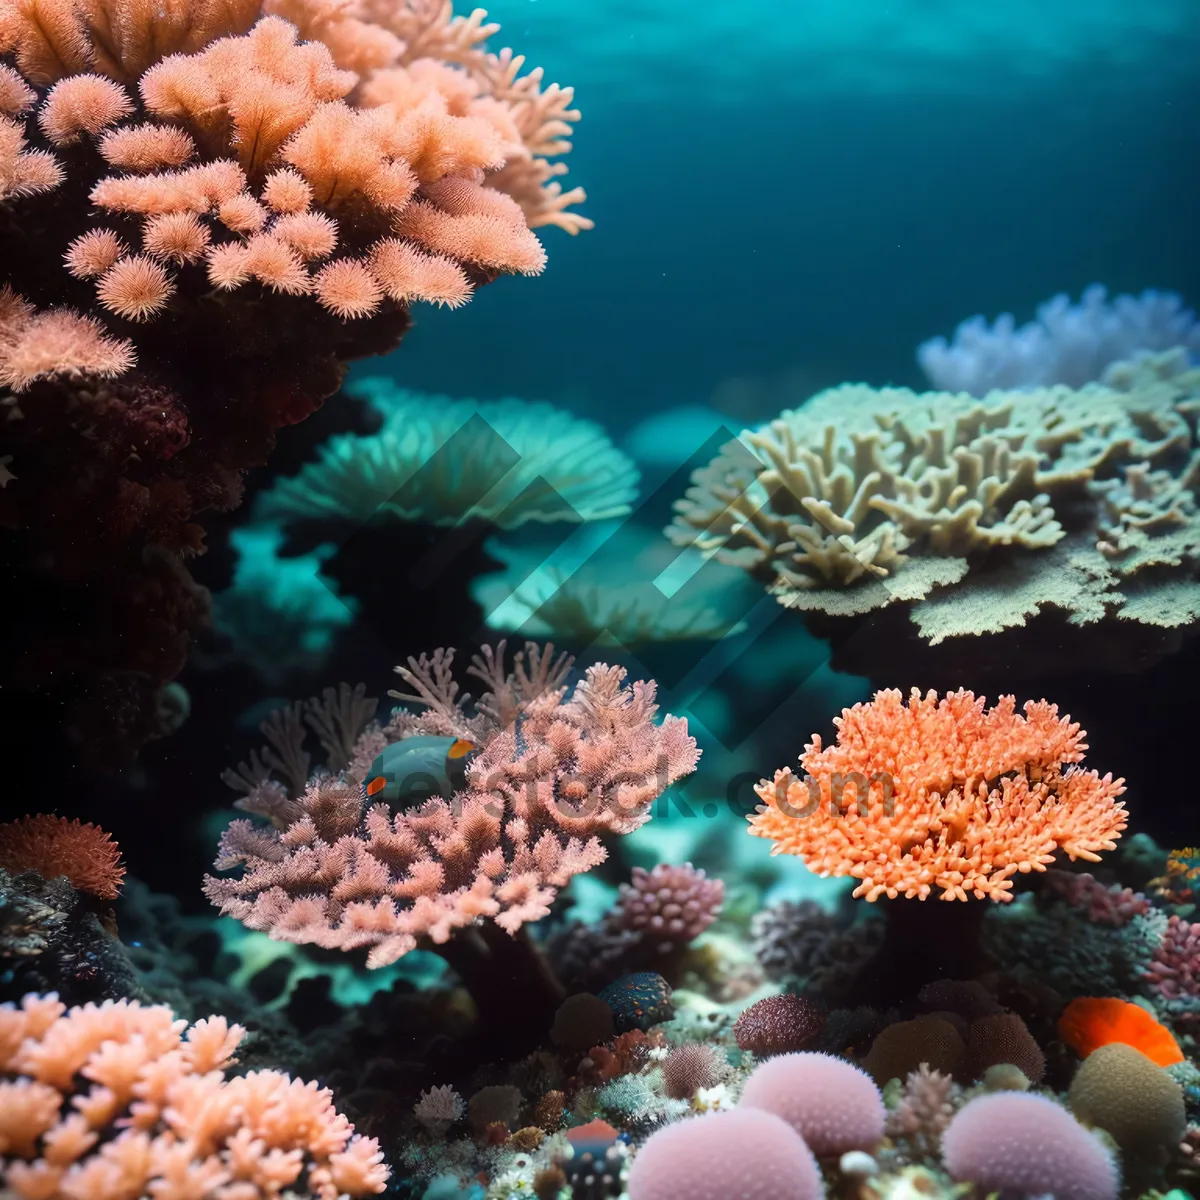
<point x="556" y="772"/>
<point x="121" y="1099"/>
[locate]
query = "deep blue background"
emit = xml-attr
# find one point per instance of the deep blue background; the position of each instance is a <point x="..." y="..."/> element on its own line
<point x="826" y="236"/>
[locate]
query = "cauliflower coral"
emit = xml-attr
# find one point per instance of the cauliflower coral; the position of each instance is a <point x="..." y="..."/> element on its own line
<point x="942" y="793"/>
<point x="123" y="1100"/>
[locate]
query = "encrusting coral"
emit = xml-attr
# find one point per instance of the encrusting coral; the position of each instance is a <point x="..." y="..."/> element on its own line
<point x="953" y="519"/>
<point x="557" y="769"/>
<point x="206" y="211"/>
<point x="121" y="1099"/>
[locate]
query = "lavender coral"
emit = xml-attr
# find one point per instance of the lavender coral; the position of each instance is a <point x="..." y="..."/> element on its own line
<point x="121" y="1099"/>
<point x="1067" y="343"/>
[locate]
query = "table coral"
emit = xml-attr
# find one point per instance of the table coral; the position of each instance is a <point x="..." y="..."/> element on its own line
<point x="241" y="197"/>
<point x="964" y="518"/>
<point x="947" y="794"/>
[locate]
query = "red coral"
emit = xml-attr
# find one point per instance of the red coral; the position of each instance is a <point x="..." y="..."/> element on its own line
<point x="54" y="846"/>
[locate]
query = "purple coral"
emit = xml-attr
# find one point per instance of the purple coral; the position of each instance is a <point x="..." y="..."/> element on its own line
<point x="1020" y="1143"/>
<point x="778" y="1025"/>
<point x="831" y="1103"/>
<point x="667" y="905"/>
<point x="1175" y="967"/>
<point x="741" y="1152"/>
<point x="1115" y="906"/>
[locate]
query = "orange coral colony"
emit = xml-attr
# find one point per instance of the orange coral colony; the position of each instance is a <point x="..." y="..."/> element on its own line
<point x="1094" y="1021"/>
<point x="946" y="794"/>
<point x="53" y="846"/>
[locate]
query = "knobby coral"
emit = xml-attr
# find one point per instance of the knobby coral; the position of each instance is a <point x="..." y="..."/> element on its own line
<point x="121" y="1099"/>
<point x="945" y="793"/>
<point x="241" y="196"/>
<point x="55" y="846"/>
<point x="970" y="516"/>
<point x="557" y="770"/>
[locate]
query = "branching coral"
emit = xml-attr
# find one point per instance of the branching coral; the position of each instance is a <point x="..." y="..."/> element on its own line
<point x="444" y="461"/>
<point x="971" y="516"/>
<point x="1070" y="344"/>
<point x="557" y="771"/>
<point x="54" y="846"/>
<point x="242" y="197"/>
<point x="944" y="794"/>
<point x="121" y="1099"/>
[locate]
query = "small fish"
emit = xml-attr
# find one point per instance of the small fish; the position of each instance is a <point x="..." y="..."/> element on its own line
<point x="414" y="769"/>
<point x="1094" y="1021"/>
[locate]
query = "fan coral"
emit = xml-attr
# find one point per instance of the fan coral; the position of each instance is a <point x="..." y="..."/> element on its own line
<point x="54" y="846"/>
<point x="444" y="461"/>
<point x="242" y="197"/>
<point x="742" y="1152"/>
<point x="1027" y="1144"/>
<point x="948" y="794"/>
<point x="828" y="1101"/>
<point x="1069" y="344"/>
<point x="778" y="1025"/>
<point x="965" y="517"/>
<point x="1090" y="1022"/>
<point x="122" y="1099"/>
<point x="554" y="773"/>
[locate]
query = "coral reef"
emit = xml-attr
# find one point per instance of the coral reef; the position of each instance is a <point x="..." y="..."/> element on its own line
<point x="242" y="198"/>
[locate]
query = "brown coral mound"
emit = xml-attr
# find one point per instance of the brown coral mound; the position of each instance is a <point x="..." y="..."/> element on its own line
<point x="54" y="846"/>
<point x="944" y="793"/>
<point x="242" y="196"/>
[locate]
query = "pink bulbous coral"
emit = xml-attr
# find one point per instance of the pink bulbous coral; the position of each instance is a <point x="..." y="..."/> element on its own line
<point x="207" y="209"/>
<point x="122" y="1099"/>
<point x="558" y="769"/>
<point x="941" y="793"/>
